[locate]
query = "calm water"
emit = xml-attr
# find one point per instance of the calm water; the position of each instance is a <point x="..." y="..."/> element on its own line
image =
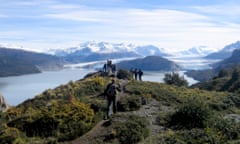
<point x="19" y="88"/>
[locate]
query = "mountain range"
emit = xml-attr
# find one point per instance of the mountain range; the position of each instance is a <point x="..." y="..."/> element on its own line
<point x="93" y="51"/>
<point x="18" y="62"/>
<point x="225" y="52"/>
<point x="198" y="51"/>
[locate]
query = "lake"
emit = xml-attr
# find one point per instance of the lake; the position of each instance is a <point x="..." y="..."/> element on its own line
<point x="17" y="89"/>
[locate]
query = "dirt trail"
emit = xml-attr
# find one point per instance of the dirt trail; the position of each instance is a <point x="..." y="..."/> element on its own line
<point x="104" y="127"/>
<point x="96" y="132"/>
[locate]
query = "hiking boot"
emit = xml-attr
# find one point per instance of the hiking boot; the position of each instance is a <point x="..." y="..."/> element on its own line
<point x="106" y="117"/>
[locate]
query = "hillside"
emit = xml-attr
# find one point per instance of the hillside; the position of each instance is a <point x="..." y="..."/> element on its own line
<point x="226" y="80"/>
<point x="18" y="62"/>
<point x="228" y="63"/>
<point x="234" y="59"/>
<point x="147" y="112"/>
<point x="151" y="63"/>
<point x="225" y="52"/>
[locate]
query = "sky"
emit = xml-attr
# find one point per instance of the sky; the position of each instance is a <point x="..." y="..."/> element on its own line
<point x="174" y="25"/>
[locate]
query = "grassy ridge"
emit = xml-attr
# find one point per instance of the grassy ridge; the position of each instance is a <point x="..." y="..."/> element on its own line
<point x="195" y="116"/>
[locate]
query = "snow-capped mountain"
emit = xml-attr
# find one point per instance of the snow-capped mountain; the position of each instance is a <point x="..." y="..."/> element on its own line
<point x="225" y="52"/>
<point x="199" y="51"/>
<point x="91" y="51"/>
<point x="93" y="47"/>
<point x="150" y="50"/>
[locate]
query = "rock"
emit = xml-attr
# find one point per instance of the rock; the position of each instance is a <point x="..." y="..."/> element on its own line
<point x="3" y="104"/>
<point x="235" y="117"/>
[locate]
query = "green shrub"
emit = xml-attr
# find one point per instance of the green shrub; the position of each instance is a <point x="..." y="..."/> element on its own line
<point x="193" y="136"/>
<point x="226" y="128"/>
<point x="175" y="79"/>
<point x="192" y="114"/>
<point x="124" y="74"/>
<point x="234" y="99"/>
<point x="133" y="130"/>
<point x="72" y="129"/>
<point x="9" y="135"/>
<point x="197" y="136"/>
<point x="46" y="126"/>
<point x="129" y="103"/>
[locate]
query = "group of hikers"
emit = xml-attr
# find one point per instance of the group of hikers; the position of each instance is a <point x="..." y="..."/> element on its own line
<point x="136" y="73"/>
<point x="109" y="67"/>
<point x="112" y="88"/>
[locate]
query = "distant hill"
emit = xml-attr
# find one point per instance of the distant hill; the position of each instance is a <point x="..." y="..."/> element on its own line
<point x="93" y="51"/>
<point x="152" y="63"/>
<point x="19" y="62"/>
<point x="225" y="80"/>
<point x="203" y="75"/>
<point x="225" y="52"/>
<point x="229" y="62"/>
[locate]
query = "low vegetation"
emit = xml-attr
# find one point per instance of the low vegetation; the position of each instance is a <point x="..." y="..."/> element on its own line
<point x="175" y="79"/>
<point x="226" y="80"/>
<point x="185" y="115"/>
<point x="133" y="130"/>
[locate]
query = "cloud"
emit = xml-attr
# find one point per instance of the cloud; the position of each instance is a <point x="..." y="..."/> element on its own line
<point x="224" y="13"/>
<point x="56" y="22"/>
<point x="172" y="29"/>
<point x="88" y="16"/>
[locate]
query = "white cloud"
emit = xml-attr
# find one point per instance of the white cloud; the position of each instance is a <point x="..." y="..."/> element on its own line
<point x="63" y="24"/>
<point x="89" y="16"/>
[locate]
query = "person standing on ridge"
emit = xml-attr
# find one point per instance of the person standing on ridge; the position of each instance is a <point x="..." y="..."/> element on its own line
<point x="140" y="73"/>
<point x="135" y="73"/>
<point x="111" y="93"/>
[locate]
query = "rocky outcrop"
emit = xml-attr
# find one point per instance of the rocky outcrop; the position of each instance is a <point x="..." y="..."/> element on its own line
<point x="3" y="104"/>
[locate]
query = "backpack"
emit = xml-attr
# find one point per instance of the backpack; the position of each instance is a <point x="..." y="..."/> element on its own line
<point x="111" y="91"/>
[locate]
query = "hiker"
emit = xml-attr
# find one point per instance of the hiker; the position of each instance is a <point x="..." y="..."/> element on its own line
<point x="105" y="68"/>
<point x="140" y="73"/>
<point x="135" y="73"/>
<point x="109" y="66"/>
<point x="111" y="93"/>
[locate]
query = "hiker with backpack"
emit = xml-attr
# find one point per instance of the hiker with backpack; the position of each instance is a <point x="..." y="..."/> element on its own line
<point x="111" y="93"/>
<point x="140" y="73"/>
